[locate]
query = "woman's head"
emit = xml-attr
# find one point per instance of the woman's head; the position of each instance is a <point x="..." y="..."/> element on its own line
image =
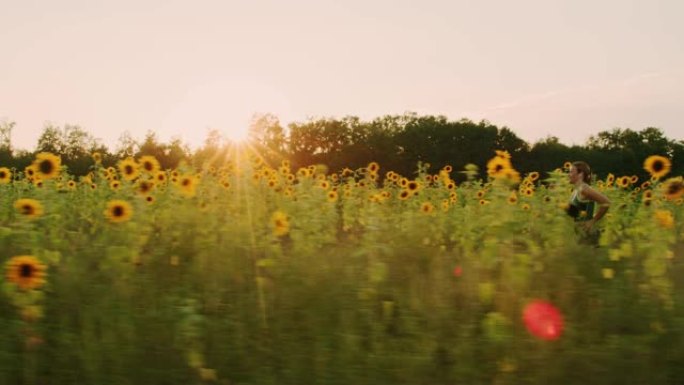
<point x="580" y="171"/>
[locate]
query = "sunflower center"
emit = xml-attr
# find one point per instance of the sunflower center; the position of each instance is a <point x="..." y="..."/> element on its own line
<point x="26" y="270"/>
<point x="3" y="175"/>
<point x="118" y="211"/>
<point x="148" y="166"/>
<point x="674" y="188"/>
<point x="658" y="166"/>
<point x="46" y="167"/>
<point x="128" y="169"/>
<point x="27" y="209"/>
<point x="185" y="182"/>
<point x="498" y="168"/>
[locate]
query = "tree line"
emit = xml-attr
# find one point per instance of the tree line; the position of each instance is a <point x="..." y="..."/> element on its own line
<point x="396" y="142"/>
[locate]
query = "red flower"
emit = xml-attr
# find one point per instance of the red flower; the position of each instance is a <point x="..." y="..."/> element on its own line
<point x="458" y="271"/>
<point x="543" y="320"/>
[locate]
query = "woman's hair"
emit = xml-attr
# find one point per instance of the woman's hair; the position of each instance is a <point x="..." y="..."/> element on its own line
<point x="584" y="168"/>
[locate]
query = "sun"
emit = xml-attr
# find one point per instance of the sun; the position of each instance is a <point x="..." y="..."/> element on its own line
<point x="225" y="104"/>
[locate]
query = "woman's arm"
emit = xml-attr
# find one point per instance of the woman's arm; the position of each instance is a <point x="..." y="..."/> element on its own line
<point x="602" y="200"/>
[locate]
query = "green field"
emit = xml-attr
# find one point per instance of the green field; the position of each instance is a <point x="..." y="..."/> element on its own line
<point x="245" y="273"/>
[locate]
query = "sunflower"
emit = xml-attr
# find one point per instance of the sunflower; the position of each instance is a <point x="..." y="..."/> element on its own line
<point x="427" y="208"/>
<point x="497" y="166"/>
<point x="47" y="165"/>
<point x="658" y="166"/>
<point x="128" y="168"/>
<point x="187" y="185"/>
<point x="145" y="186"/>
<point x="30" y="171"/>
<point x="673" y="188"/>
<point x="446" y="204"/>
<point x="412" y="186"/>
<point x="373" y="167"/>
<point x="29" y="208"/>
<point x="447" y="168"/>
<point x="525" y="206"/>
<point x="664" y="218"/>
<point x="512" y="198"/>
<point x="149" y="199"/>
<point x="610" y="179"/>
<point x="118" y="211"/>
<point x="114" y="185"/>
<point x="71" y="185"/>
<point x="25" y="271"/>
<point x="623" y="181"/>
<point x="332" y="196"/>
<point x="97" y="157"/>
<point x="149" y="164"/>
<point x="280" y="224"/>
<point x="404" y="195"/>
<point x="533" y="176"/>
<point x="5" y="175"/>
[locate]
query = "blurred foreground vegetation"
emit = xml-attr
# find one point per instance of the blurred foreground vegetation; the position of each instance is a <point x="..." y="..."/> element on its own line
<point x="245" y="273"/>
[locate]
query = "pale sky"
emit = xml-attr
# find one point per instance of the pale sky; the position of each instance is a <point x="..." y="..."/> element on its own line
<point x="568" y="68"/>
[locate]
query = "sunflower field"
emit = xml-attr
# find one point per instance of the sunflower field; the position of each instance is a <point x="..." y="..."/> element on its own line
<point x="247" y="273"/>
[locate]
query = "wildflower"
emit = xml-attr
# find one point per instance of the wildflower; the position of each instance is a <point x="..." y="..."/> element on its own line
<point x="373" y="167"/>
<point x="673" y="188"/>
<point x="187" y="185"/>
<point x="664" y="218"/>
<point x="47" y="165"/>
<point x="280" y="224"/>
<point x="30" y="208"/>
<point x="497" y="166"/>
<point x="5" y="175"/>
<point x="332" y="196"/>
<point x="149" y="164"/>
<point x="128" y="169"/>
<point x="512" y="198"/>
<point x="427" y="208"/>
<point x="658" y="166"/>
<point x="623" y="181"/>
<point x="25" y="271"/>
<point x="404" y="195"/>
<point x="118" y="211"/>
<point x="145" y="186"/>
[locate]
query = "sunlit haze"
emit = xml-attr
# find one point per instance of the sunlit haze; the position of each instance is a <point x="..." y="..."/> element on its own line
<point x="563" y="68"/>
